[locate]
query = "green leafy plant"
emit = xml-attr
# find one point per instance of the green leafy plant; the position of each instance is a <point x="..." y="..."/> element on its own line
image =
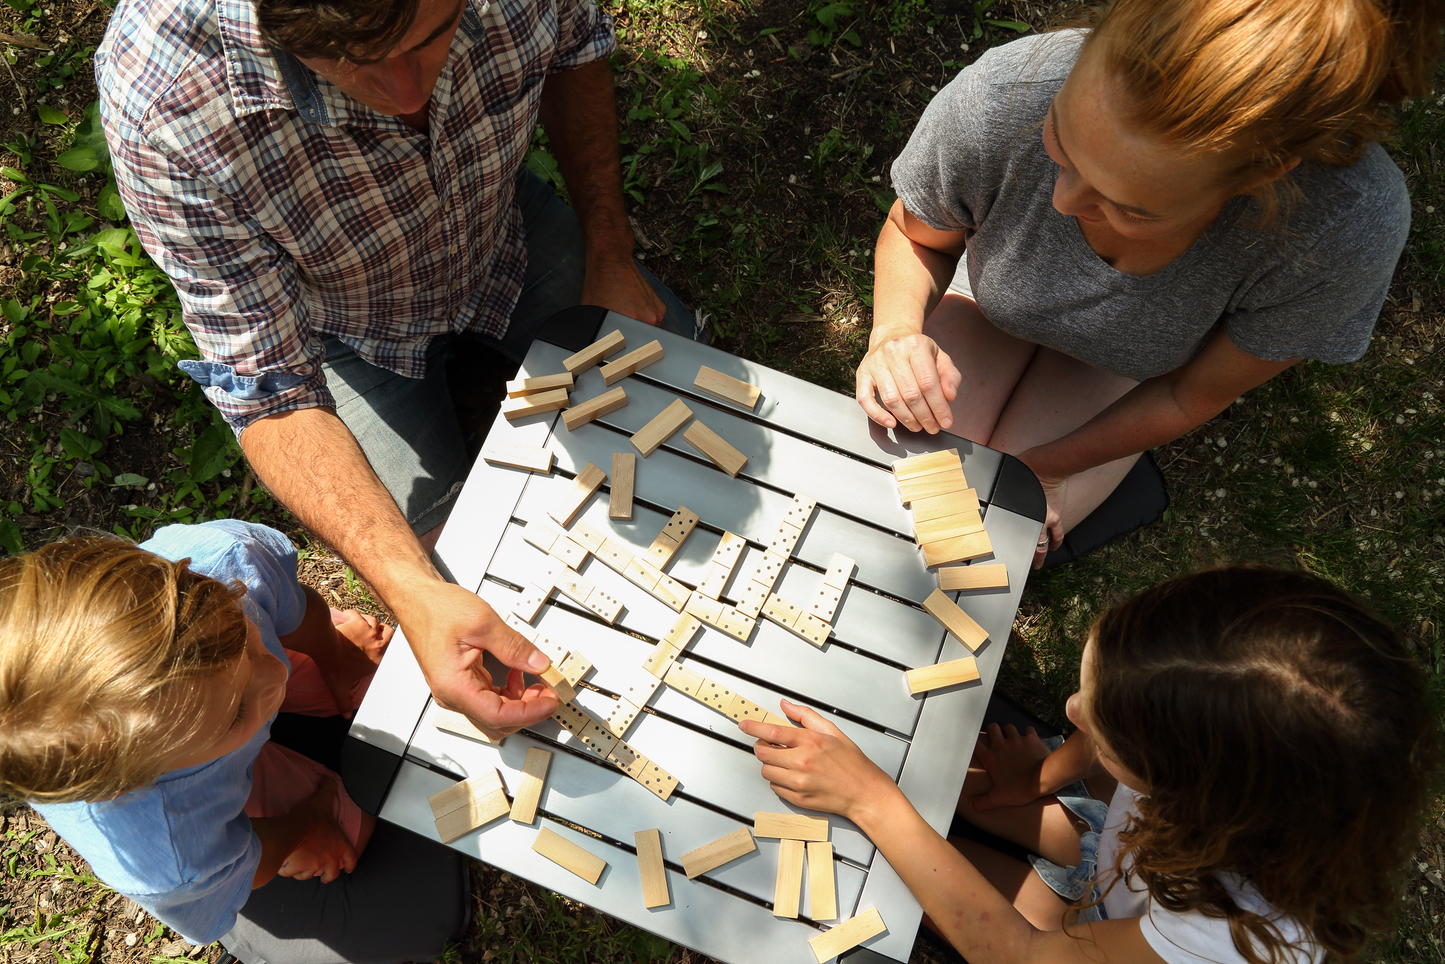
<point x="828" y="15"/>
<point x="981" y="7"/>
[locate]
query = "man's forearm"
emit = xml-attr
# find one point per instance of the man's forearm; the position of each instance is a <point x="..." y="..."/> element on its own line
<point x="580" y="117"/>
<point x="311" y="462"/>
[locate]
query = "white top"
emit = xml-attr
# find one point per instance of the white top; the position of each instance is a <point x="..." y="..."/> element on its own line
<point x="1190" y="937"/>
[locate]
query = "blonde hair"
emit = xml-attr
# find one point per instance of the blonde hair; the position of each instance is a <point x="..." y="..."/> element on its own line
<point x="1276" y="79"/>
<point x="95" y="635"/>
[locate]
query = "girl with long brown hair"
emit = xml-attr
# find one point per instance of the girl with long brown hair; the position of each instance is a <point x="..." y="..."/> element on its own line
<point x="1259" y="746"/>
<point x="1104" y="237"/>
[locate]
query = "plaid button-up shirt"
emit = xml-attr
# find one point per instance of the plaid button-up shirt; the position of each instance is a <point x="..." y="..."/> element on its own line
<point x="283" y="209"/>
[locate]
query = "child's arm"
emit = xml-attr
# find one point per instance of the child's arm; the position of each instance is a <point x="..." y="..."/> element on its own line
<point x="820" y="768"/>
<point x="1022" y="769"/>
<point x="304" y="843"/>
<point x="344" y="654"/>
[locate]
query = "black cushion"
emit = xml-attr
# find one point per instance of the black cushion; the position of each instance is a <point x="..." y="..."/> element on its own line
<point x="1140" y="499"/>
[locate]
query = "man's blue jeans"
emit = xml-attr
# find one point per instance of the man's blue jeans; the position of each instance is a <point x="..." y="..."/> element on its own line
<point x="408" y="427"/>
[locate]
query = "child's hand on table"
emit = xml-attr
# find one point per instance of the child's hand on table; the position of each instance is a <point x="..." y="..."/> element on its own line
<point x="817" y="766"/>
<point x="323" y="850"/>
<point x="1014" y="762"/>
<point x="361" y="640"/>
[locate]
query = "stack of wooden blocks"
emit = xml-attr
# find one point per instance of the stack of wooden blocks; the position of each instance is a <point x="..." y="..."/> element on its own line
<point x="947" y="523"/>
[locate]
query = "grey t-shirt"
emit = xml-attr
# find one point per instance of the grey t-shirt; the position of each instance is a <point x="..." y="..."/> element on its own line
<point x="976" y="163"/>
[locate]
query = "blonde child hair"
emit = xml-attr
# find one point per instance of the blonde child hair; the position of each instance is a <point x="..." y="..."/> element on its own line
<point x="97" y="639"/>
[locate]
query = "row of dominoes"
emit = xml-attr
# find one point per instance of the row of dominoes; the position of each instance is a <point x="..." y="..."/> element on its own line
<point x="717" y="697"/>
<point x="947" y="522"/>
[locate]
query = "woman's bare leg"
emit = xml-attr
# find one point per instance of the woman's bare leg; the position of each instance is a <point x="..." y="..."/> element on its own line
<point x="1045" y="827"/>
<point x="990" y="361"/>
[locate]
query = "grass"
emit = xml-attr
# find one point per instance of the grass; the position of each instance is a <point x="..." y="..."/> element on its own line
<point x="756" y="144"/>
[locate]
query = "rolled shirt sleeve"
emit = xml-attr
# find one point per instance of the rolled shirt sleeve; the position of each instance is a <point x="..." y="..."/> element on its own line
<point x="584" y="34"/>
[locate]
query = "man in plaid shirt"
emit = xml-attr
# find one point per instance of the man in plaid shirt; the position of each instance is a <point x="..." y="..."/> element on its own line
<point x="336" y="189"/>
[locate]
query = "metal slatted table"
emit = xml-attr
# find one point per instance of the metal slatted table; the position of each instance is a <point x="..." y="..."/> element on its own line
<point x="800" y="440"/>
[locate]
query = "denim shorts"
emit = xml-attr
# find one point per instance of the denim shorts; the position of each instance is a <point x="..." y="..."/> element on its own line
<point x="407" y="427"/>
<point x="1075" y="883"/>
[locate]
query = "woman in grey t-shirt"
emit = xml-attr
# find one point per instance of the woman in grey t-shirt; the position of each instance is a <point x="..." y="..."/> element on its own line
<point x="1158" y="215"/>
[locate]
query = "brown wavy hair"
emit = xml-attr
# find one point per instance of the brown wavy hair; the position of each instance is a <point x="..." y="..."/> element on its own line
<point x="1284" y="734"/>
<point x="95" y="636"/>
<point x="354" y="31"/>
<point x="1275" y="79"/>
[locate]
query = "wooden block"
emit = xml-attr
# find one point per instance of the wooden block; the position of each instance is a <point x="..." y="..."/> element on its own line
<point x="574" y="667"/>
<point x="779" y="610"/>
<point x="960" y="549"/>
<point x="554" y="651"/>
<point x="571" y="717"/>
<point x="790" y="826"/>
<point x="477" y="814"/>
<point x="464" y="792"/>
<point x="662" y="658"/>
<point x="569" y="553"/>
<point x="991" y="576"/>
<point x="939" y="675"/>
<point x="776" y="720"/>
<point x="531" y="601"/>
<point x="680" y="678"/>
<point x="460" y="725"/>
<point x="847" y="935"/>
<point x="736" y="624"/>
<point x="751" y="599"/>
<point x="553" y="677"/>
<point x="788" y="892"/>
<point x="533" y="458"/>
<point x="715" y="581"/>
<point x="655" y="779"/>
<point x="710" y="856"/>
<point x="661" y="427"/>
<point x="708" y="610"/>
<point x="529" y="788"/>
<point x="955" y="620"/>
<point x="564" y="853"/>
<point x="520" y="627"/>
<point x="928" y="486"/>
<point x="770" y="568"/>
<point x="729" y="550"/>
<point x="594" y="353"/>
<point x="518" y="387"/>
<point x="606" y="606"/>
<point x="840" y="570"/>
<point x="638" y="688"/>
<point x="786" y="539"/>
<point x="614" y="555"/>
<point x="541" y="535"/>
<point x="515" y="408"/>
<point x="594" y="408"/>
<point x="641" y="573"/>
<point x="825" y="604"/>
<point x="632" y="361"/>
<point x="572" y="585"/>
<point x="943" y="506"/>
<point x="595" y="737"/>
<point x="583" y="486"/>
<point x="682" y="632"/>
<point x="624" y="757"/>
<point x="624" y="475"/>
<point x="711" y="444"/>
<point x="620" y="717"/>
<point x="650" y="865"/>
<point x="727" y="388"/>
<point x="680" y="526"/>
<point x="715" y="695"/>
<point x="745" y="709"/>
<point x="927" y="464"/>
<point x="671" y="592"/>
<point x="949" y="527"/>
<point x="811" y="628"/>
<point x="800" y="511"/>
<point x="822" y="888"/>
<point x="587" y="537"/>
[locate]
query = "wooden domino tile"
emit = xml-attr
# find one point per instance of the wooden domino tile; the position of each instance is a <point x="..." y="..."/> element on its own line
<point x="785" y="540"/>
<point x="569" y="553"/>
<point x="847" y="935"/>
<point x="715" y="695"/>
<point x="800" y="511"/>
<point x="949" y="527"/>
<point x="684" y="680"/>
<point x="624" y="757"/>
<point x="990" y="576"/>
<point x="715" y="581"/>
<point x="811" y="628"/>
<point x="553" y="677"/>
<point x="711" y="444"/>
<point x="465" y="806"/>
<point x="583" y="486"/>
<point x="779" y="610"/>
<point x="729" y="550"/>
<point x="680" y="525"/>
<point x="529" y="787"/>
<point x="624" y="477"/>
<point x="541" y="535"/>
<point x="712" y="855"/>
<point x="943" y="506"/>
<point x="530" y="602"/>
<point x="533" y="458"/>
<point x="655" y="779"/>
<point x="554" y="651"/>
<point x="840" y="570"/>
<point x="682" y="632"/>
<point x="515" y="408"/>
<point x="457" y="724"/>
<point x="825" y="604"/>
<point x="574" y="667"/>
<point x="735" y="624"/>
<point x="788" y="891"/>
<point x="671" y="592"/>
<point x="642" y="573"/>
<point x="660" y="661"/>
<point x="594" y="408"/>
<point x="955" y="620"/>
<point x="661" y="428"/>
<point x="594" y="353"/>
<point x="587" y="537"/>
<point x="745" y="709"/>
<point x="568" y="855"/>
<point x="637" y="688"/>
<point x="595" y="737"/>
<point x="928" y="463"/>
<point x="629" y="363"/>
<point x="790" y="826"/>
<point x="652" y="869"/>
<point x="518" y="387"/>
<point x="822" y="887"/>
<point x="961" y="549"/>
<point x="570" y="717"/>
<point x="614" y="555"/>
<point x="708" y="610"/>
<point x="751" y="599"/>
<point x="520" y="627"/>
<point x="458" y="794"/>
<point x="928" y="486"/>
<point x="727" y="388"/>
<point x="619" y="719"/>
<point x="604" y="605"/>
<point x="769" y="569"/>
<point x="939" y="675"/>
<point x="776" y="720"/>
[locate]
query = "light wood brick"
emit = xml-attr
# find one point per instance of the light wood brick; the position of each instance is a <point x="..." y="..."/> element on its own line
<point x="574" y="667"/>
<point x="518" y="387"/>
<point x="790" y="826"/>
<point x="624" y="477"/>
<point x="541" y="535"/>
<point x="928" y="463"/>
<point x="684" y="680"/>
<point x="583" y="486"/>
<point x="949" y="527"/>
<point x="779" y="610"/>
<point x="515" y="408"/>
<point x="594" y="408"/>
<point x="928" y="486"/>
<point x="620" y="718"/>
<point x="475" y="815"/>
<point x="671" y="592"/>
<point x="587" y="537"/>
<point x="463" y="792"/>
<point x="943" y="506"/>
<point x="715" y="581"/>
<point x="961" y="549"/>
<point x="822" y="886"/>
<point x="650" y="865"/>
<point x="568" y="855"/>
<point x="847" y="935"/>
<point x="569" y="553"/>
<point x="716" y="448"/>
<point x="533" y="458"/>
<point x="955" y="620"/>
<point x="553" y="677"/>
<point x="954" y="671"/>
<point x="529" y="786"/>
<point x="458" y="724"/>
<point x="751" y="597"/>
<point x="727" y="388"/>
<point x="606" y="345"/>
<point x="825" y="604"/>
<point x="661" y="428"/>
<point x="631" y="362"/>
<point x="723" y="850"/>
<point x="840" y="570"/>
<point x="788" y="891"/>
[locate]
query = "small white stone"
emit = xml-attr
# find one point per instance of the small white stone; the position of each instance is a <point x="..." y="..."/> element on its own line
<point x="1429" y="209"/>
<point x="130" y="939"/>
<point x="877" y="178"/>
<point x="702" y="35"/>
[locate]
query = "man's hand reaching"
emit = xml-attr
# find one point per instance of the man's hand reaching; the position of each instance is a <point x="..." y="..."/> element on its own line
<point x="619" y="285"/>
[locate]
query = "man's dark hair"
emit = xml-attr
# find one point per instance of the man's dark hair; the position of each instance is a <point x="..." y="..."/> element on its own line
<point x="355" y="31"/>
